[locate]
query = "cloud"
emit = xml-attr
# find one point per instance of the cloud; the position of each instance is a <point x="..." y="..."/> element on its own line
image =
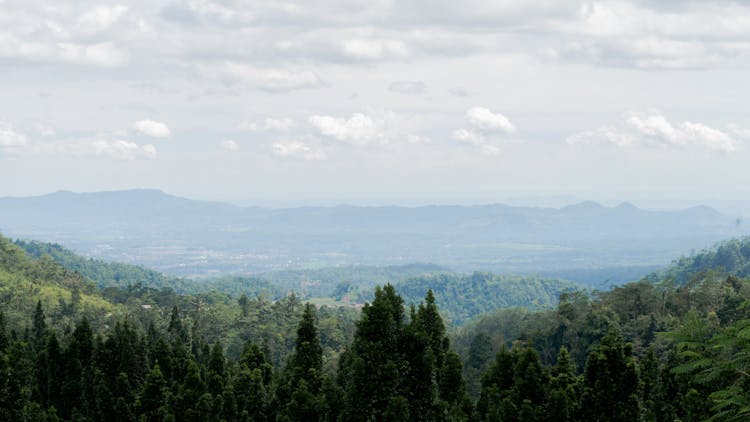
<point x="298" y="150"/>
<point x="152" y="128"/>
<point x="104" y="54"/>
<point x="123" y="150"/>
<point x="484" y="119"/>
<point x="102" y="17"/>
<point x="635" y="33"/>
<point x="230" y="145"/>
<point x="270" y="80"/>
<point x="654" y="129"/>
<point x="473" y="138"/>
<point x="486" y="131"/>
<point x="280" y="124"/>
<point x="374" y="49"/>
<point x="604" y="134"/>
<point x="408" y="87"/>
<point x="9" y="137"/>
<point x="459" y="92"/>
<point x="359" y="129"/>
<point x="649" y="35"/>
<point x="46" y="130"/>
<point x="417" y="140"/>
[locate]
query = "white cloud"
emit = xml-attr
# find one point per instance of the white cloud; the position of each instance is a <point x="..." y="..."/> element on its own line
<point x="473" y="138"/>
<point x="606" y="134"/>
<point x="285" y="80"/>
<point x="359" y="129"/>
<point x="102" y="17"/>
<point x="654" y="129"/>
<point x="408" y="87"/>
<point x="152" y="128"/>
<point x="149" y="150"/>
<point x="9" y="137"/>
<point x="230" y="145"/>
<point x="469" y="136"/>
<point x="298" y="150"/>
<point x="271" y="80"/>
<point x="374" y="49"/>
<point x="104" y="54"/>
<point x="483" y="119"/>
<point x="123" y="150"/>
<point x="417" y="140"/>
<point x="280" y="124"/>
<point x="487" y="129"/>
<point x="46" y="130"/>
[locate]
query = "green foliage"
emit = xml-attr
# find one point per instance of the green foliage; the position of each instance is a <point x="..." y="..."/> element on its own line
<point x="728" y="257"/>
<point x="401" y="369"/>
<point x="462" y="297"/>
<point x="647" y="351"/>
<point x="122" y="277"/>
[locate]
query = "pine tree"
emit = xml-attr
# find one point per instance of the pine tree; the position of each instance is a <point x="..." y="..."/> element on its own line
<point x="177" y="332"/>
<point x="369" y="371"/>
<point x="611" y="382"/>
<point x="479" y="358"/>
<point x="299" y="391"/>
<point x="307" y="359"/>
<point x="649" y="375"/>
<point x="216" y="370"/>
<point x="39" y="327"/>
<point x="564" y="396"/>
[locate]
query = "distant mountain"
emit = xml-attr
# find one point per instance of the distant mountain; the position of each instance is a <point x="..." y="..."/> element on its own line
<point x="198" y="238"/>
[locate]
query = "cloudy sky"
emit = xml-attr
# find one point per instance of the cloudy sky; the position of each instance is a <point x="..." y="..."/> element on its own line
<point x="376" y="100"/>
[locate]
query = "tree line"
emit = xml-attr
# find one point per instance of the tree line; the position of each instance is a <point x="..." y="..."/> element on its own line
<point x="653" y="350"/>
<point x="399" y="366"/>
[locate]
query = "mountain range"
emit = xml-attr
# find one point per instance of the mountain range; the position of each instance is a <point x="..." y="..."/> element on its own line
<point x="199" y="238"/>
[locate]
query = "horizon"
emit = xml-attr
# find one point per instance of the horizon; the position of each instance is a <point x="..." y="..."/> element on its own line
<point x="530" y="201"/>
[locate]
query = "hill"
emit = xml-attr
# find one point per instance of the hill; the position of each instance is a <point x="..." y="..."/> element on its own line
<point x="118" y="275"/>
<point x="730" y="257"/>
<point x="463" y="297"/>
<point x="66" y="296"/>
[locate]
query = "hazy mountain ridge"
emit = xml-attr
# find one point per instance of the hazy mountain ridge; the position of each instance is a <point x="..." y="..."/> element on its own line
<point x="188" y="237"/>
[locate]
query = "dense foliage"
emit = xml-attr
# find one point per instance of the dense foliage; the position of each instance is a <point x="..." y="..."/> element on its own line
<point x="118" y="275"/>
<point x="652" y="350"/>
<point x="462" y="297"/>
<point x="731" y="257"/>
<point x="66" y="296"/>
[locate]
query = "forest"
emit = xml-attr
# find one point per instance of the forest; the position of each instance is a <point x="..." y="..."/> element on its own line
<point x="673" y="346"/>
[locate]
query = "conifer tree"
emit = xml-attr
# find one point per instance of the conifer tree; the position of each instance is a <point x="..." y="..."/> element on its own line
<point x="370" y="370"/>
<point x="299" y="390"/>
<point x="39" y="327"/>
<point x="611" y="382"/>
<point x="564" y="393"/>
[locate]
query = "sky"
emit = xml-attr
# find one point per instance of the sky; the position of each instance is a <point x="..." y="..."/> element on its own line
<point x="295" y="102"/>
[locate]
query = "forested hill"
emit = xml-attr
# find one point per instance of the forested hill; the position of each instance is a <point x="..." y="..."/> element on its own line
<point x="728" y="257"/>
<point x="118" y="275"/>
<point x="462" y="297"/>
<point x="66" y="296"/>
<point x="639" y="352"/>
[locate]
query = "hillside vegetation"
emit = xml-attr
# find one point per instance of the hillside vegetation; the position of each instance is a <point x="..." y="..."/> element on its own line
<point x="652" y="350"/>
<point x="462" y="297"/>
<point x="730" y="257"/>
